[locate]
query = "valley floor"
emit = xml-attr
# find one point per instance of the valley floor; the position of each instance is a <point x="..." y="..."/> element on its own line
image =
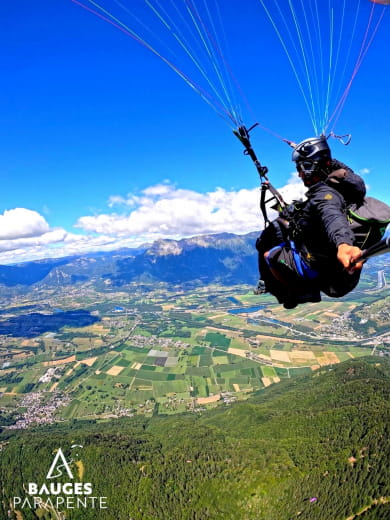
<point x="88" y="354"/>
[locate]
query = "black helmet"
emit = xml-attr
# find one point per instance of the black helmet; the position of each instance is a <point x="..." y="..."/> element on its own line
<point x="314" y="149"/>
<point x="312" y="157"/>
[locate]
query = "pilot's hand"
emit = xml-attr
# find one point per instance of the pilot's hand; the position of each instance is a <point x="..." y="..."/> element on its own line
<point x="348" y="256"/>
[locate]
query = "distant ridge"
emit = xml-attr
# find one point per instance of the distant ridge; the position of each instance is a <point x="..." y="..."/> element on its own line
<point x="223" y="258"/>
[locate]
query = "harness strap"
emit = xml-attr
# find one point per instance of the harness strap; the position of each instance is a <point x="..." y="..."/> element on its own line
<point x="242" y="133"/>
<point x="299" y="265"/>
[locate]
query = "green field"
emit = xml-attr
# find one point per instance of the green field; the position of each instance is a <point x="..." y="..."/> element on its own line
<point x="164" y="360"/>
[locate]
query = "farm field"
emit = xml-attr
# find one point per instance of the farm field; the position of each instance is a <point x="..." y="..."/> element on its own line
<point x="171" y="352"/>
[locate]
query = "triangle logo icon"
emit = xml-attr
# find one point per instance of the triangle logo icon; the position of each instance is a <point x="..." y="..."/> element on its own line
<point x="58" y="466"/>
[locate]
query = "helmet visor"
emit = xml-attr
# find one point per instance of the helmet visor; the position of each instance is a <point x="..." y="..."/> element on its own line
<point x="307" y="167"/>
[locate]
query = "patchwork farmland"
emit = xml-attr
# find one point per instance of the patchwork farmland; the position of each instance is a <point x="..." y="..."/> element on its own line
<point x="173" y="352"/>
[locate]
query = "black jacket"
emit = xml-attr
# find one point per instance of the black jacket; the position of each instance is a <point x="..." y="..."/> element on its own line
<point x="317" y="226"/>
<point x="320" y="224"/>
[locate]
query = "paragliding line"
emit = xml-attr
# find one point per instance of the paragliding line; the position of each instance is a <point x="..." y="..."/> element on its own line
<point x="289" y="57"/>
<point x="304" y="57"/>
<point x="220" y="110"/>
<point x="184" y="45"/>
<point x="205" y="37"/>
<point x="217" y="48"/>
<point x="362" y="54"/>
<point x="348" y="54"/>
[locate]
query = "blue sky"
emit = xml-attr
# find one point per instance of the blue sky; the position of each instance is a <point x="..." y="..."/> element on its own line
<point x="103" y="145"/>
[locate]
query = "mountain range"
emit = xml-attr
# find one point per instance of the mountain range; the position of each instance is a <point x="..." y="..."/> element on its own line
<point x="224" y="258"/>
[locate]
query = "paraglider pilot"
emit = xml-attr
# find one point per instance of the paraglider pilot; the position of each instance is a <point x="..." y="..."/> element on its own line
<point x="309" y="248"/>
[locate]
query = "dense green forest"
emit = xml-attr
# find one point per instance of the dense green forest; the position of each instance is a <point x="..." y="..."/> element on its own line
<point x="323" y="437"/>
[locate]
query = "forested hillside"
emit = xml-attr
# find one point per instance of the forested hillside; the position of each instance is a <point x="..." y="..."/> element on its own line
<point x="310" y="448"/>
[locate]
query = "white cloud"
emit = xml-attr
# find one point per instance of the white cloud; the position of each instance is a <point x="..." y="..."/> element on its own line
<point x="164" y="211"/>
<point x="294" y="189"/>
<point x="21" y="223"/>
<point x="51" y="237"/>
<point x="159" y="211"/>
<point x="56" y="243"/>
<point x="23" y="232"/>
<point x="116" y="200"/>
<point x="158" y="189"/>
